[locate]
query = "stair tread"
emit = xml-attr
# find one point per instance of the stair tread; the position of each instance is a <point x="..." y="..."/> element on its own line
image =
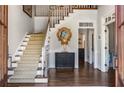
<point x="28" y="61"/>
<point x="31" y="56"/>
<point x="25" y="73"/>
<point x="22" y="80"/>
<point x="23" y="76"/>
<point x="36" y="55"/>
<point x="25" y="68"/>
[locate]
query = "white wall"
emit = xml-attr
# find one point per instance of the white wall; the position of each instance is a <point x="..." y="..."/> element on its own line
<point x="19" y="24"/>
<point x="72" y="22"/>
<point x="103" y="11"/>
<point x="40" y="24"/>
<point x="91" y="53"/>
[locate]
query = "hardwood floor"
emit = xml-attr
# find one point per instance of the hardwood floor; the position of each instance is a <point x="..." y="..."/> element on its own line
<point x="85" y="76"/>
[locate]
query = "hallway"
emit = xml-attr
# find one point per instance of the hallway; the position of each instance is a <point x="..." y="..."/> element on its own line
<point x="85" y="76"/>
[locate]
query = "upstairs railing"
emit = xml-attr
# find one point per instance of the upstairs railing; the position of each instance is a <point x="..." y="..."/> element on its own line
<point x="58" y="12"/>
<point x="43" y="10"/>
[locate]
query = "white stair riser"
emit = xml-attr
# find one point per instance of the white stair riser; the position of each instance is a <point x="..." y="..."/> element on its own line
<point x="42" y="80"/>
<point x="22" y="48"/>
<point x="24" y="43"/>
<point x="17" y="58"/>
<point x="26" y="39"/>
<point x="20" y="53"/>
<point x="14" y="64"/>
<point x="28" y="36"/>
<point x="10" y="72"/>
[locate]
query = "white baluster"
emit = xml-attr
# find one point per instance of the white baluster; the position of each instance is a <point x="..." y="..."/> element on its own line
<point x="71" y="8"/>
<point x="52" y="18"/>
<point x="63" y="12"/>
<point x="57" y="15"/>
<point x="66" y="11"/>
<point x="43" y="11"/>
<point x="78" y="6"/>
<point x="82" y="6"/>
<point x="60" y="13"/>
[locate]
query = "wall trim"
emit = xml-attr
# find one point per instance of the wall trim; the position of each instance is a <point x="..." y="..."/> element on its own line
<point x="21" y="42"/>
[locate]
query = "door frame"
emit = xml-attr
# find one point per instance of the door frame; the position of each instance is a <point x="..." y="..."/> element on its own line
<point x="119" y="22"/>
<point x="3" y="44"/>
<point x="105" y="22"/>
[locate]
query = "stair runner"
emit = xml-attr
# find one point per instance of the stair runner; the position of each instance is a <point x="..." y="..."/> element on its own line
<point x="26" y="70"/>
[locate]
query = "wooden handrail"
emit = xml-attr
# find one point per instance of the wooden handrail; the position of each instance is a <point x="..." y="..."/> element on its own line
<point x="75" y="7"/>
<point x="48" y="23"/>
<point x="84" y="6"/>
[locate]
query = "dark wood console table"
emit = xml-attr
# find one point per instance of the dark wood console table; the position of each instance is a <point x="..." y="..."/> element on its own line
<point x="64" y="59"/>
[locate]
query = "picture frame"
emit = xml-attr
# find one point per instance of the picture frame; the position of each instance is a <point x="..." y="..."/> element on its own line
<point x="64" y="35"/>
<point x="28" y="10"/>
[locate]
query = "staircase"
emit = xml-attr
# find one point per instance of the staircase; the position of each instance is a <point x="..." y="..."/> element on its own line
<point x="26" y="70"/>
